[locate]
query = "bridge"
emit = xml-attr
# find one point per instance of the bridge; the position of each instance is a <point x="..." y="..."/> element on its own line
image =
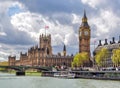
<point x="23" y="68"/>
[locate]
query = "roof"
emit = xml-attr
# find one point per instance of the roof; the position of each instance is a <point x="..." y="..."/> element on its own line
<point x="109" y="46"/>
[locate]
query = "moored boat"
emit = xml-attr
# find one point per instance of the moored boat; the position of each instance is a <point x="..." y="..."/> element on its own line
<point x="64" y="75"/>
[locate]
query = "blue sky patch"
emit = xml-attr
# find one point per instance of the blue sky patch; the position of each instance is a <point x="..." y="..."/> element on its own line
<point x="14" y="10"/>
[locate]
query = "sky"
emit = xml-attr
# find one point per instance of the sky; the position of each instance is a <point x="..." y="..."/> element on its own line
<point x="22" y="21"/>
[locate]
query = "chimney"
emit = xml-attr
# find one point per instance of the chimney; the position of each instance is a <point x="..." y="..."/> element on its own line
<point x="113" y="40"/>
<point x="110" y="42"/>
<point x="119" y="40"/>
<point x="100" y="44"/>
<point x="105" y="42"/>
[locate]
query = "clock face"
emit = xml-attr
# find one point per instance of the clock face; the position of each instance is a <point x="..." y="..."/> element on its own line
<point x="86" y="32"/>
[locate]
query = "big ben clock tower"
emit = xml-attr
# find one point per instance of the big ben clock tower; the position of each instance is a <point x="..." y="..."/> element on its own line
<point x="84" y="36"/>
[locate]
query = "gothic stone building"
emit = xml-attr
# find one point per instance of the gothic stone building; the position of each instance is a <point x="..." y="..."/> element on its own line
<point x="110" y="46"/>
<point x="43" y="56"/>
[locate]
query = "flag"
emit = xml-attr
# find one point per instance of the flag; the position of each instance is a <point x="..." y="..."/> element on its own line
<point x="46" y="27"/>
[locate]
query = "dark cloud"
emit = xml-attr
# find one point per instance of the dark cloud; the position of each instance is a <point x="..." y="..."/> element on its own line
<point x="16" y="38"/>
<point x="13" y="36"/>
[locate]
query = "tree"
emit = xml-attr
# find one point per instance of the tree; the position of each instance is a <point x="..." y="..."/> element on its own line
<point x="80" y="59"/>
<point x="116" y="57"/>
<point x="101" y="57"/>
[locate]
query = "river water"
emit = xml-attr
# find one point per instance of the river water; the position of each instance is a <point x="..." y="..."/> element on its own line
<point x="12" y="81"/>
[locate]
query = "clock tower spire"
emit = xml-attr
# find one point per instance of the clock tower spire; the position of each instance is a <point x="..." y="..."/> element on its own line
<point x="84" y="35"/>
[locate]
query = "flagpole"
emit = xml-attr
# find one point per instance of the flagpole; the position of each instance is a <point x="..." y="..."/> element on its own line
<point x="46" y="27"/>
<point x="45" y="31"/>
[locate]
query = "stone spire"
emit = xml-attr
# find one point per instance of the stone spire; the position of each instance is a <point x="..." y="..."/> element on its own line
<point x="64" y="50"/>
<point x="84" y="20"/>
<point x="84" y="14"/>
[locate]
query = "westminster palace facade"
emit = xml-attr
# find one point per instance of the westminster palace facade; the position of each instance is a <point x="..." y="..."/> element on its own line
<point x="42" y="55"/>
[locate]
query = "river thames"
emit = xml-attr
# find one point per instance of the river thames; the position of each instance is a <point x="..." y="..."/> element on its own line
<point x="12" y="81"/>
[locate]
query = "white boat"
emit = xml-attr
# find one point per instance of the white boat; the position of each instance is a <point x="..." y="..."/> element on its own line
<point x="64" y="75"/>
<point x="71" y="75"/>
<point x="56" y="74"/>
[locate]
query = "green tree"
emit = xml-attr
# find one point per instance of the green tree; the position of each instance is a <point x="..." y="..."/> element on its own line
<point x="80" y="59"/>
<point x="116" y="57"/>
<point x="101" y="57"/>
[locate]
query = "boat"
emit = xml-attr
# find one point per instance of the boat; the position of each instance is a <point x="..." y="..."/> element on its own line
<point x="64" y="75"/>
<point x="71" y="75"/>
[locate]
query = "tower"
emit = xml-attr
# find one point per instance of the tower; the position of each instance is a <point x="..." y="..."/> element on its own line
<point x="11" y="60"/>
<point x="84" y="35"/>
<point x="45" y="44"/>
<point x="64" y="50"/>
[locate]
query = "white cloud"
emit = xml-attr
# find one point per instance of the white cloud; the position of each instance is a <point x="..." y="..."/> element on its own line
<point x="6" y="27"/>
<point x="14" y="50"/>
<point x="75" y="18"/>
<point x="57" y="39"/>
<point x="93" y="3"/>
<point x="71" y="39"/>
<point x="6" y="4"/>
<point x="106" y="23"/>
<point x="3" y="53"/>
<point x="33" y="24"/>
<point x="28" y="22"/>
<point x="20" y="5"/>
<point x="0" y="46"/>
<point x="2" y="33"/>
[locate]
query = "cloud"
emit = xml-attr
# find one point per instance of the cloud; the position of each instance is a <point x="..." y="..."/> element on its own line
<point x="21" y="22"/>
<point x="106" y="24"/>
<point x="2" y="33"/>
<point x="93" y="3"/>
<point x="34" y="25"/>
<point x="71" y="39"/>
<point x="9" y="36"/>
<point x="75" y="19"/>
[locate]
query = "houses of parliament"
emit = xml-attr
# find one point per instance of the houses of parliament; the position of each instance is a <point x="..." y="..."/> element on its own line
<point x="42" y="55"/>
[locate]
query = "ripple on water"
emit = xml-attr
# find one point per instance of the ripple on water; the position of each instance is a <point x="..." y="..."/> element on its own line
<point x="49" y="82"/>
